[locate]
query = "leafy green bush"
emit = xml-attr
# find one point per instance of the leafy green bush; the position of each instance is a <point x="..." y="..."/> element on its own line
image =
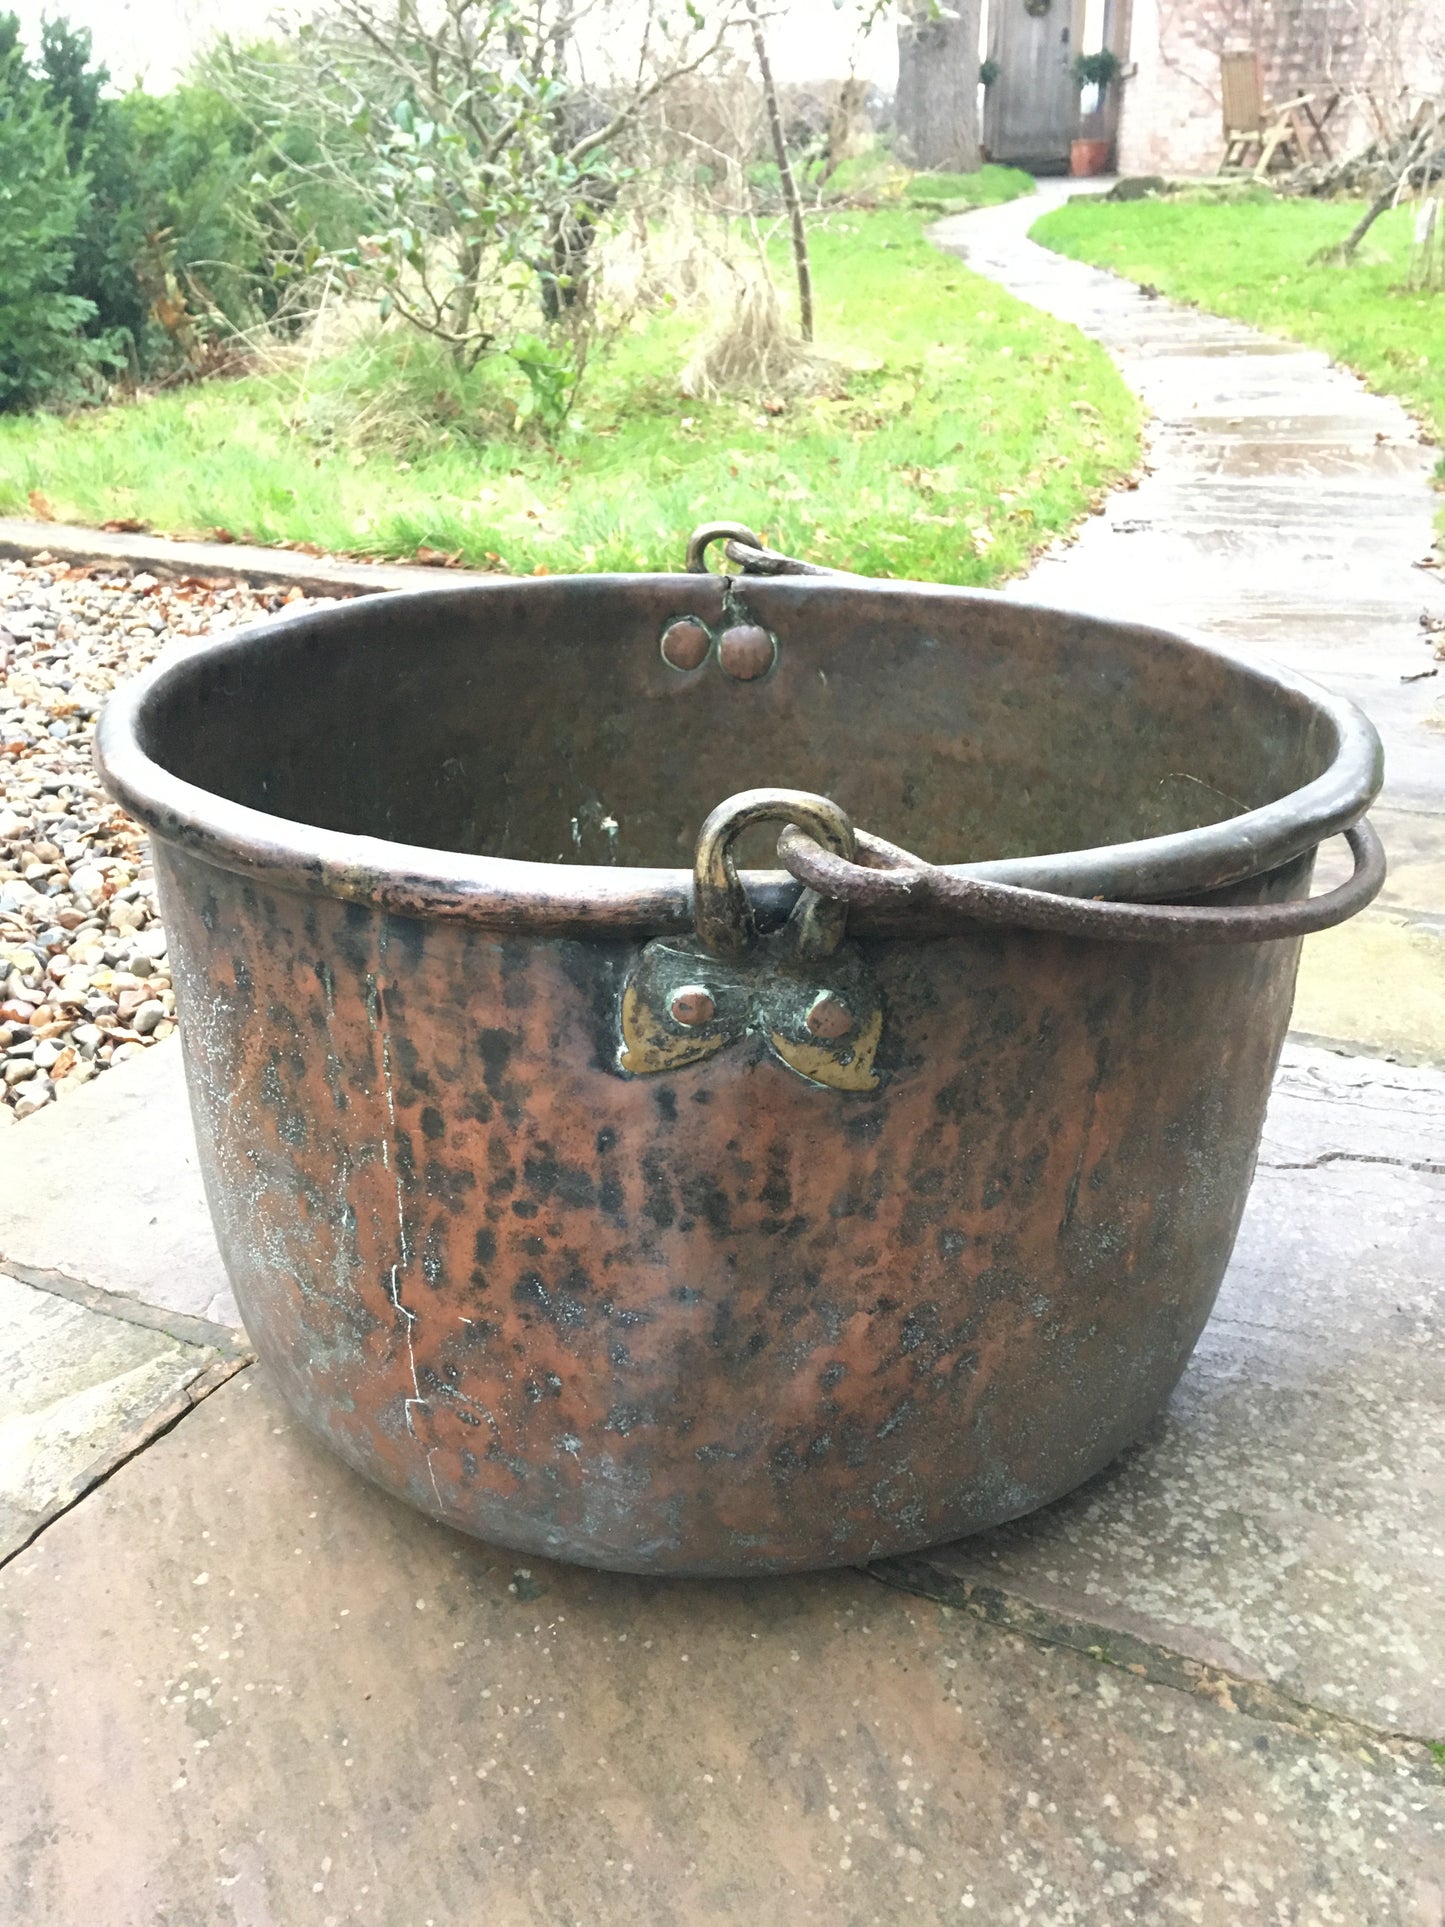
<point x="225" y="213"/>
<point x="140" y="230"/>
<point x="188" y="211"/>
<point x="872" y="177"/>
<point x="44" y="350"/>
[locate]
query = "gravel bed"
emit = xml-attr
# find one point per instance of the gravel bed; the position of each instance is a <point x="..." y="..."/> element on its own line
<point x="84" y="979"/>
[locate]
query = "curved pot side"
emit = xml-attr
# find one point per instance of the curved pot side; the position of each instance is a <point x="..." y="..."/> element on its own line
<point x="719" y="1321"/>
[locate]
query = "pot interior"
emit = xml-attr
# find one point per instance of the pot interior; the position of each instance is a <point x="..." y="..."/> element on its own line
<point x="539" y="720"/>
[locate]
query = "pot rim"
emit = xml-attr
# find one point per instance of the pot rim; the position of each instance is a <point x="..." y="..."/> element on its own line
<point x="560" y="898"/>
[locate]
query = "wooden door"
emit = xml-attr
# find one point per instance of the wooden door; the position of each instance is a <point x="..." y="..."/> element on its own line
<point x="1031" y="110"/>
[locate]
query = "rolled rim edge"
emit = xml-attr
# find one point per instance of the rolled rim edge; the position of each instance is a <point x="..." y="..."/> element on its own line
<point x="509" y="892"/>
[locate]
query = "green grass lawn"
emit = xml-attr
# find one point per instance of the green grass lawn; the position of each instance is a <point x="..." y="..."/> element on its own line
<point x="964" y="431"/>
<point x="876" y="179"/>
<point x="1252" y="261"/>
<point x="987" y="188"/>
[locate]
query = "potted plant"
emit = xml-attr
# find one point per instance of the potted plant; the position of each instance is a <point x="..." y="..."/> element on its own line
<point x="1090" y="154"/>
<point x="1097" y="70"/>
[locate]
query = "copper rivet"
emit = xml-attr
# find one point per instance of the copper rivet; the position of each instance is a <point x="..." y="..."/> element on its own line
<point x="692" y="1007"/>
<point x="685" y="645"/>
<point x="746" y="651"/>
<point x="830" y="1018"/>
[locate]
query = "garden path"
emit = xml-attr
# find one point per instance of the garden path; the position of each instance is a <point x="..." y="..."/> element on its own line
<point x="1287" y="511"/>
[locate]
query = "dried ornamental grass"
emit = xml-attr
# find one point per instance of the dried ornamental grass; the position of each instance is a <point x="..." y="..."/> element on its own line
<point x="753" y="352"/>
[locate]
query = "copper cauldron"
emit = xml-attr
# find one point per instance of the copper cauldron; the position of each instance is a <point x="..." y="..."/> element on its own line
<point x="612" y="1203"/>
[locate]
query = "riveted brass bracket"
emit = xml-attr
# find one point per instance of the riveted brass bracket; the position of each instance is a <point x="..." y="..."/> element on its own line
<point x="802" y="988"/>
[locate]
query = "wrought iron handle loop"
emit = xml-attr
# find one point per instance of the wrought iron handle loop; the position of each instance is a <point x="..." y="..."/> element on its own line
<point x="890" y="877"/>
<point x="706" y="533"/>
<point x="720" y="903"/>
<point x="745" y="549"/>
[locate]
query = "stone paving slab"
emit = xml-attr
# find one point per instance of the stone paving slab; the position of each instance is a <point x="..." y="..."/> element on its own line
<point x="1309" y="458"/>
<point x="243" y="1689"/>
<point x="1379" y="982"/>
<point x="80" y="1392"/>
<point x="1383" y="982"/>
<point x="1284" y="1522"/>
<point x="105" y="1188"/>
<point x="1415" y="886"/>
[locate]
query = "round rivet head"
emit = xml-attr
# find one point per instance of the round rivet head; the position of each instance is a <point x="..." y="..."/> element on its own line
<point x="830" y="1018"/>
<point x="685" y="645"/>
<point x="746" y="651"/>
<point x="692" y="1007"/>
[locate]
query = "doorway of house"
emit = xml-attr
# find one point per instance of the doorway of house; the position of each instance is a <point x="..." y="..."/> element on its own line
<point x="1031" y="108"/>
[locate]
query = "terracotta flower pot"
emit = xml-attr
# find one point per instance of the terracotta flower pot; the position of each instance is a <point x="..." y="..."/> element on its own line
<point x="1088" y="157"/>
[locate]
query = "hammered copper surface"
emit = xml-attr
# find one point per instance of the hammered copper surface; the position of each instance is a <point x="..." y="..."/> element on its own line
<point x="728" y="1321"/>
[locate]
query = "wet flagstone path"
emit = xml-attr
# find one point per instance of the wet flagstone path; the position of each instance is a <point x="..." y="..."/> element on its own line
<point x="1285" y="511"/>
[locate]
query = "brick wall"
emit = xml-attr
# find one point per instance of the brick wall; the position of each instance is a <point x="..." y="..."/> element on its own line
<point x="1169" y="120"/>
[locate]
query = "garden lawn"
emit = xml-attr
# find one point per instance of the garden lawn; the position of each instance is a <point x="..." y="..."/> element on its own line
<point x="1252" y="261"/>
<point x="964" y="430"/>
<point x="958" y="192"/>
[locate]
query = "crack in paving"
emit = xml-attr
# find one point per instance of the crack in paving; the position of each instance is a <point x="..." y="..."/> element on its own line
<point x="1158" y="1664"/>
<point x="157" y="1424"/>
<point x="1401" y="1055"/>
<point x="182" y="1326"/>
<point x="1430" y="1168"/>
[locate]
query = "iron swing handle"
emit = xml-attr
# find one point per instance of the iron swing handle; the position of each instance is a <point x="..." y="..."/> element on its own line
<point x="891" y="877"/>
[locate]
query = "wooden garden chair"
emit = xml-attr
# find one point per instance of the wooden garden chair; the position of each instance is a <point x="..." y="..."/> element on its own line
<point x="1279" y="133"/>
<point x="1242" y="88"/>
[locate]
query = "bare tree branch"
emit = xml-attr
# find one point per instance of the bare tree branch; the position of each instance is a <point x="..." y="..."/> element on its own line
<point x="626" y="115"/>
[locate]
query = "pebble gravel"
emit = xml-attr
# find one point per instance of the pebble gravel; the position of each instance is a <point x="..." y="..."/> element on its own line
<point x="84" y="976"/>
